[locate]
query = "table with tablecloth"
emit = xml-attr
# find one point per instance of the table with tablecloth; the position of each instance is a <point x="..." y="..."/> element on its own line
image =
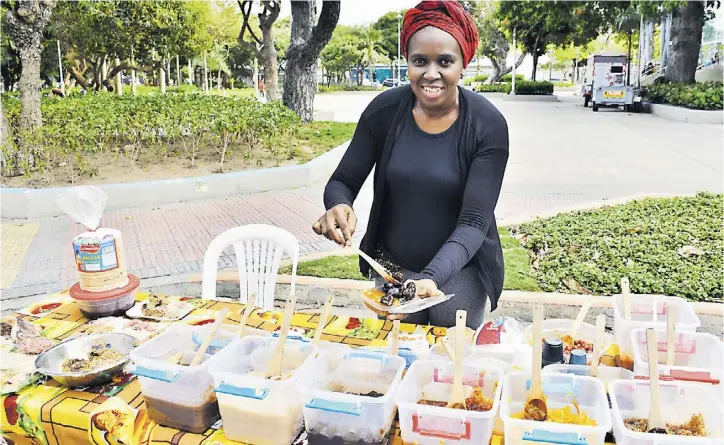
<point x="48" y="413"/>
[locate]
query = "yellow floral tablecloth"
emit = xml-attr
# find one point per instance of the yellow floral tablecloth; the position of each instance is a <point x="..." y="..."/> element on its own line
<point x="50" y="414"/>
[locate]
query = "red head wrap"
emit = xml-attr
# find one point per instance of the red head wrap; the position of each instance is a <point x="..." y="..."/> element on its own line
<point x="448" y="16"/>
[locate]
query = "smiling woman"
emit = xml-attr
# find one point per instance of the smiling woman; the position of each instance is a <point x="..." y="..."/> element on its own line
<point x="439" y="154"/>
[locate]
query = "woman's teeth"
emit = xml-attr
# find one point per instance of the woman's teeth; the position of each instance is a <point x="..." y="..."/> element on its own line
<point x="431" y="89"/>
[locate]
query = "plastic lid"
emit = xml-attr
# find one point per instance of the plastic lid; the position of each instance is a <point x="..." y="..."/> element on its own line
<point x="79" y="294"/>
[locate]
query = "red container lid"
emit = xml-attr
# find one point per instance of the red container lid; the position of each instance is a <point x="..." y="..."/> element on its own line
<point x="79" y="294"/>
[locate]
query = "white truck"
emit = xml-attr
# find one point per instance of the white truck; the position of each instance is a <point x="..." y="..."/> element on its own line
<point x="608" y="85"/>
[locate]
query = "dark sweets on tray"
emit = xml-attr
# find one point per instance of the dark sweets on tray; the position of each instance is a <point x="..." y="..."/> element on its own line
<point x="403" y="292"/>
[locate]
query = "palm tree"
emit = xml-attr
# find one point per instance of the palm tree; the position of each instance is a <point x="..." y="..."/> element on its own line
<point x="370" y="43"/>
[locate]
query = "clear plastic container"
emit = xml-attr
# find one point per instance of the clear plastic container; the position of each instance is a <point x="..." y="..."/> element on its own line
<point x="432" y="425"/>
<point x="331" y="415"/>
<point x="437" y="351"/>
<point x="254" y="409"/>
<point x="648" y="311"/>
<point x="176" y="395"/>
<point x="605" y="373"/>
<point x="225" y="335"/>
<point x="561" y="327"/>
<point x="108" y="303"/>
<point x="679" y="401"/>
<point x="698" y="357"/>
<point x="560" y="391"/>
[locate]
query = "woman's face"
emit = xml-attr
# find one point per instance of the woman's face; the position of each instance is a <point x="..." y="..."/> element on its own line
<point x="434" y="64"/>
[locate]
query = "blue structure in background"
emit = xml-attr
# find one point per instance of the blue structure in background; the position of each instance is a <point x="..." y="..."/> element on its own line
<point x="382" y="72"/>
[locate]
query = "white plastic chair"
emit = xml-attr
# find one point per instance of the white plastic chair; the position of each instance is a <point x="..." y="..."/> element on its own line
<point x="259" y="250"/>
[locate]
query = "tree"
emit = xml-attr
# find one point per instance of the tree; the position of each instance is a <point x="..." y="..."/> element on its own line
<point x="493" y="42"/>
<point x="263" y="47"/>
<point x="686" y="30"/>
<point x="340" y="55"/>
<point x="307" y="42"/>
<point x="369" y="41"/>
<point x="25" y="22"/>
<point x="542" y="23"/>
<point x="387" y="26"/>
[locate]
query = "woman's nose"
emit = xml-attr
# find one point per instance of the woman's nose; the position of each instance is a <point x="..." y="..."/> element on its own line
<point x="431" y="74"/>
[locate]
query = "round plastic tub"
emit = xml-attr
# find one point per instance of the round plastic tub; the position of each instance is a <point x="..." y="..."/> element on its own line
<point x="648" y="311"/>
<point x="334" y="392"/>
<point x="433" y="425"/>
<point x="560" y="391"/>
<point x="698" y="357"/>
<point x="678" y="401"/>
<point x="108" y="303"/>
<point x="561" y="327"/>
<point x="256" y="410"/>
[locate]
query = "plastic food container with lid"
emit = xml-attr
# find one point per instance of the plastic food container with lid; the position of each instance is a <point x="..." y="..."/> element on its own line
<point x="348" y="397"/>
<point x="254" y="409"/>
<point x="605" y="373"/>
<point x="561" y="390"/>
<point x="107" y="303"/>
<point x="698" y="357"/>
<point x="176" y="395"/>
<point x="678" y="401"/>
<point x="432" y="425"/>
<point x="648" y="311"/>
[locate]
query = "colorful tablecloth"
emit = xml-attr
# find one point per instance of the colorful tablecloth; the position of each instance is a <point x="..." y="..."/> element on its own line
<point x="50" y="414"/>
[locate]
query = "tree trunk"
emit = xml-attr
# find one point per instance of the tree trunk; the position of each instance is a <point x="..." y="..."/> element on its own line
<point x="499" y="68"/>
<point x="307" y="42"/>
<point x="162" y="78"/>
<point x="268" y="56"/>
<point x="206" y="76"/>
<point x="178" y="73"/>
<point x="218" y="80"/>
<point x="119" y="81"/>
<point x="5" y="130"/>
<point x="686" y="30"/>
<point x="133" y="73"/>
<point x="29" y="86"/>
<point x="535" y="65"/>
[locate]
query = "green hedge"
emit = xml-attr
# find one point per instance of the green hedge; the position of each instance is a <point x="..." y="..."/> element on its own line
<point x="527" y="88"/>
<point x="509" y="78"/>
<point x="76" y="126"/>
<point x="670" y="246"/>
<point x="338" y="88"/>
<point x="494" y="88"/>
<point x="698" y="96"/>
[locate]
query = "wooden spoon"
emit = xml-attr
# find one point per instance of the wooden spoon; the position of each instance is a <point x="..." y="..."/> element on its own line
<point x="656" y="421"/>
<point x="598" y="343"/>
<point x="322" y="320"/>
<point x="535" y="406"/>
<point x="275" y="366"/>
<point x="457" y="395"/>
<point x="248" y="309"/>
<point x="394" y="344"/>
<point x="670" y="332"/>
<point x="376" y="266"/>
<point x="205" y="345"/>
<point x="580" y="317"/>
<point x="625" y="293"/>
<point x="446" y="347"/>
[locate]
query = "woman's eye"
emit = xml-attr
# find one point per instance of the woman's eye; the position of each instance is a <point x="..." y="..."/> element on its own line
<point x="419" y="61"/>
<point x="446" y="62"/>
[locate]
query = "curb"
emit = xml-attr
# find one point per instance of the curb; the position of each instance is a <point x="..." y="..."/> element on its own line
<point x="530" y="98"/>
<point x="686" y="115"/>
<point x="28" y="203"/>
<point x="510" y="296"/>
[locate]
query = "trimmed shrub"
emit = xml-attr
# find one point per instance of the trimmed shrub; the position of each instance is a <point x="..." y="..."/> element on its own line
<point x="697" y="96"/>
<point x="527" y="88"/>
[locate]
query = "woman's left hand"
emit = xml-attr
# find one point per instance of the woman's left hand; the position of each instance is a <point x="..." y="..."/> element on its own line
<point x="423" y="289"/>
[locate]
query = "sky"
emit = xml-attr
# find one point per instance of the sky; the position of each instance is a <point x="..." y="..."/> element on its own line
<point x="362" y="12"/>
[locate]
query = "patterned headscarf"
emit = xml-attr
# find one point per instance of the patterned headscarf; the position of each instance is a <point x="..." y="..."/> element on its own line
<point x="448" y="16"/>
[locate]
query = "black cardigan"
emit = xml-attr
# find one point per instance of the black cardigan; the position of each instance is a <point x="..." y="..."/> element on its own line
<point x="483" y="155"/>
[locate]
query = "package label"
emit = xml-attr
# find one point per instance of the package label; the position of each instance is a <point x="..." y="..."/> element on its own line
<point x="93" y="255"/>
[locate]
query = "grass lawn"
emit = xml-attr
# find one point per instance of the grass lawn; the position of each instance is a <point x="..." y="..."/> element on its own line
<point x="321" y="136"/>
<point x="518" y="274"/>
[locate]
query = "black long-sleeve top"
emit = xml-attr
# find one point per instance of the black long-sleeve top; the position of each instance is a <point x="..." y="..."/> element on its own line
<point x="482" y="155"/>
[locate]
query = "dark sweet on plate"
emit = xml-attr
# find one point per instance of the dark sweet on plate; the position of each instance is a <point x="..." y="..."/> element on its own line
<point x="402" y="292"/>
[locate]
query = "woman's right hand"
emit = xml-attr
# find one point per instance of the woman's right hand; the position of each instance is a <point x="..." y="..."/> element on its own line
<point x="339" y="218"/>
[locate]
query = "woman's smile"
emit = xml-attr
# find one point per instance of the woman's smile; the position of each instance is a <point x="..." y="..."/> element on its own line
<point x="432" y="92"/>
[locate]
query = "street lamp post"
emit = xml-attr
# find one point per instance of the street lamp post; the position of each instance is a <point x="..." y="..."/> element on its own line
<point x="515" y="45"/>
<point x="399" y="17"/>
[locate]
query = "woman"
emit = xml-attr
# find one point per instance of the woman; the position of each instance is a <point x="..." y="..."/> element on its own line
<point x="439" y="154"/>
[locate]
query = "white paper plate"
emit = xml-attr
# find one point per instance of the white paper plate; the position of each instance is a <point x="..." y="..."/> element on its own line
<point x="135" y="312"/>
<point x="418" y="304"/>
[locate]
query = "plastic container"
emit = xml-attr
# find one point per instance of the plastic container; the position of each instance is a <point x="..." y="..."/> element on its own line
<point x="648" y="311"/>
<point x="108" y="303"/>
<point x="225" y="335"/>
<point x="561" y="327"/>
<point x="177" y="396"/>
<point x="560" y="390"/>
<point x="333" y="416"/>
<point x="605" y="373"/>
<point x="679" y="401"/>
<point x="432" y="425"/>
<point x="698" y="357"/>
<point x="256" y="410"/>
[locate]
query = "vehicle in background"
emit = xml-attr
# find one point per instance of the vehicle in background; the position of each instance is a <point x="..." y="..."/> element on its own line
<point x="609" y="86"/>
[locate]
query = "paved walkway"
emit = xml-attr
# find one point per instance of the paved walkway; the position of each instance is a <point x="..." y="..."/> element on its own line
<point x="561" y="156"/>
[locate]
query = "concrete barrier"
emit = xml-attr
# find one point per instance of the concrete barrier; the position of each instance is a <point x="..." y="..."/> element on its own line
<point x="681" y="114"/>
<point x="24" y="203"/>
